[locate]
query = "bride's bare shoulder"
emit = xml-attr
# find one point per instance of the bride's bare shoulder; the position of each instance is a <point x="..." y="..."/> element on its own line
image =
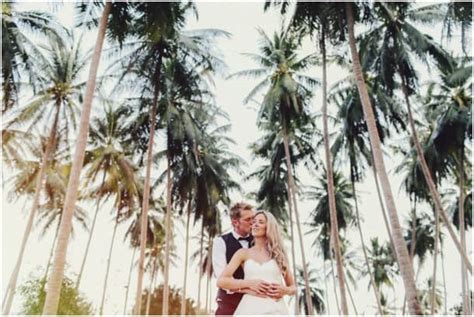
<point x="242" y="254"/>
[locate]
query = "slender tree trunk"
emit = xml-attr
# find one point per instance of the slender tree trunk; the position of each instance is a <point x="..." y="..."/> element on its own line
<point x="109" y="260"/>
<point x="45" y="277"/>
<point x="183" y="302"/>
<point x="444" y="282"/>
<point x="333" y="273"/>
<point x="364" y="250"/>
<point x="384" y="213"/>
<point x="208" y="272"/>
<point x="146" y="195"/>
<point x="11" y="289"/>
<point x="292" y="189"/>
<point x="435" y="263"/>
<point x="150" y="291"/>
<point x="328" y="310"/>
<point x="430" y="182"/>
<point x="350" y="296"/>
<point x="128" y="282"/>
<point x="90" y="235"/>
<point x="293" y="250"/>
<point x="412" y="246"/>
<point x="167" y="241"/>
<point x="465" y="290"/>
<point x="406" y="268"/>
<point x="200" y="267"/>
<point x="330" y="184"/>
<point x="56" y="279"/>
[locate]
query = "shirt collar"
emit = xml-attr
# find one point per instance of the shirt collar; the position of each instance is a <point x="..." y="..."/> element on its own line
<point x="237" y="236"/>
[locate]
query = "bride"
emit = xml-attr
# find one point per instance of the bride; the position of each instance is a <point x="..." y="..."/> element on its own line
<point x="267" y="274"/>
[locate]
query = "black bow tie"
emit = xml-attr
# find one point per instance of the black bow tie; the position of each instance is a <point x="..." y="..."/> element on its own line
<point x="248" y="239"/>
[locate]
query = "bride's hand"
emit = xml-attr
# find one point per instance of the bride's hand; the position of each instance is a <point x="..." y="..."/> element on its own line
<point x="276" y="291"/>
<point x="251" y="292"/>
<point x="260" y="287"/>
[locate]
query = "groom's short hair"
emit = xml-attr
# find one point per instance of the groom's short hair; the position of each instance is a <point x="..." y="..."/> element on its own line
<point x="236" y="208"/>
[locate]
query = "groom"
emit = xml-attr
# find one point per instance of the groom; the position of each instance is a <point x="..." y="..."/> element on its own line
<point x="224" y="247"/>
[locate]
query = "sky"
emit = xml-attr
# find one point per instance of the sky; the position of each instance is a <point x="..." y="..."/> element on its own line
<point x="241" y="20"/>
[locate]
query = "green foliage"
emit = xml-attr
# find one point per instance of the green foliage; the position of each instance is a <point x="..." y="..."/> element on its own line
<point x="156" y="302"/>
<point x="71" y="302"/>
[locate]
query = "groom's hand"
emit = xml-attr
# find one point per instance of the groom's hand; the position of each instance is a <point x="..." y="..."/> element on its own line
<point x="276" y="291"/>
<point x="260" y="287"/>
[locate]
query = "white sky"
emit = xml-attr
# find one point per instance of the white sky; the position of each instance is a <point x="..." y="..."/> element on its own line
<point x="240" y="19"/>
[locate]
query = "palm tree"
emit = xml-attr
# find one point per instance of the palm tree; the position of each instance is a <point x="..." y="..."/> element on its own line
<point x="320" y="215"/>
<point x="121" y="183"/>
<point x="320" y="19"/>
<point x="284" y="103"/>
<point x="457" y="14"/>
<point x="317" y="294"/>
<point x="55" y="281"/>
<point x="61" y="67"/>
<point x="420" y="236"/>
<point x="273" y="191"/>
<point x="396" y="37"/>
<point x="107" y="156"/>
<point x="382" y="263"/>
<point x="160" y="42"/>
<point x="18" y="50"/>
<point x="449" y="104"/>
<point x="133" y="233"/>
<point x="406" y="267"/>
<point x="426" y="300"/>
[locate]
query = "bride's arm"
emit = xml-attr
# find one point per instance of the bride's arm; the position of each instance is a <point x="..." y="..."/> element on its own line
<point x="290" y="283"/>
<point x="226" y="281"/>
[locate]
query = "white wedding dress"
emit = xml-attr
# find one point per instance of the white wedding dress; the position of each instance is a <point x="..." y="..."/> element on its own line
<point x="253" y="305"/>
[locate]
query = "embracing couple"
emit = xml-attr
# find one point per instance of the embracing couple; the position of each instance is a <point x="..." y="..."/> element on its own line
<point x="251" y="265"/>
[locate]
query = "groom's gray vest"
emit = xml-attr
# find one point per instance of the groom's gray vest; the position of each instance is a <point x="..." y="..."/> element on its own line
<point x="231" y="246"/>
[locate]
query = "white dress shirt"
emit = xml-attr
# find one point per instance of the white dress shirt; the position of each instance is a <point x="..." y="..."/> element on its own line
<point x="219" y="261"/>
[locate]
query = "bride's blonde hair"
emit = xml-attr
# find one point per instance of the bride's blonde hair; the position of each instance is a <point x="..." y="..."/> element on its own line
<point x="274" y="241"/>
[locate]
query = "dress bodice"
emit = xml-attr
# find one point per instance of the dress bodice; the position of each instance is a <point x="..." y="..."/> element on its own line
<point x="267" y="271"/>
<point x="253" y="305"/>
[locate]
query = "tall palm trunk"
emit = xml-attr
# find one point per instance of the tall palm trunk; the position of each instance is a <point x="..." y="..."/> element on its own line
<point x="293" y="250"/>
<point x="128" y="281"/>
<point x="327" y="310"/>
<point x="48" y="265"/>
<point x="56" y="279"/>
<point x="90" y="235"/>
<point x="292" y="190"/>
<point x="465" y="290"/>
<point x="330" y="184"/>
<point x="167" y="241"/>
<point x="109" y="260"/>
<point x="435" y="264"/>
<point x="183" y="302"/>
<point x="208" y="272"/>
<point x="406" y="267"/>
<point x="364" y="250"/>
<point x="382" y="207"/>
<point x="350" y="295"/>
<point x="146" y="192"/>
<point x="430" y="182"/>
<point x="200" y="266"/>
<point x="412" y="246"/>
<point x="333" y="273"/>
<point x="150" y="290"/>
<point x="11" y="289"/>
<point x="444" y="282"/>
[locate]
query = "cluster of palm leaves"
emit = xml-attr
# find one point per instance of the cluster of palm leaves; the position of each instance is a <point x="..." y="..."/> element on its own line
<point x="146" y="139"/>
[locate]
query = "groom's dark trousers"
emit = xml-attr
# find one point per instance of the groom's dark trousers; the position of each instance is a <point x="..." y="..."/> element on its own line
<point x="227" y="303"/>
